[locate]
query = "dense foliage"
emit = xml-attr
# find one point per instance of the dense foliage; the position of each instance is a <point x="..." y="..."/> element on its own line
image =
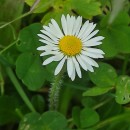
<point x="99" y="100"/>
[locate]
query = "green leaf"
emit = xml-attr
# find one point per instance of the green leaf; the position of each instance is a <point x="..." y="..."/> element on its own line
<point x="86" y="8"/>
<point x="116" y="35"/>
<point x="79" y="83"/>
<point x="8" y="105"/>
<point x="121" y="19"/>
<point x="55" y="15"/>
<point x="116" y="40"/>
<point x="29" y="40"/>
<point x="108" y="45"/>
<point x="95" y="91"/>
<point x="48" y="121"/>
<point x="88" y="102"/>
<point x="76" y="116"/>
<point x="42" y="6"/>
<point x="9" y="11"/>
<point x="117" y="6"/>
<point x="30" y="121"/>
<point x="88" y="117"/>
<point x="59" y="7"/>
<point x="54" y="120"/>
<point x="122" y="40"/>
<point x="105" y="75"/>
<point x="84" y="118"/>
<point x="38" y="102"/>
<point x="114" y="108"/>
<point x="123" y="90"/>
<point x="30" y="70"/>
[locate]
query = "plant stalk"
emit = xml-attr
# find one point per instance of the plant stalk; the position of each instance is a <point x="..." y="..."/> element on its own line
<point x="19" y="89"/>
<point x="55" y="90"/>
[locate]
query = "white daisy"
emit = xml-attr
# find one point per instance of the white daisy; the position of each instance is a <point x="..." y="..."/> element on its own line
<point x="72" y="44"/>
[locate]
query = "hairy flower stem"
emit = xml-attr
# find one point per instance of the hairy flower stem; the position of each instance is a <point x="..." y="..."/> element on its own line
<point x="55" y="90"/>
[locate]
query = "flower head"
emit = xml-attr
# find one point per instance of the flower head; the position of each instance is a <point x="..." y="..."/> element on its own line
<point x="72" y="44"/>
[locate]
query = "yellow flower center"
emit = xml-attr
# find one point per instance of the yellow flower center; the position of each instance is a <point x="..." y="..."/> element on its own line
<point x="70" y="45"/>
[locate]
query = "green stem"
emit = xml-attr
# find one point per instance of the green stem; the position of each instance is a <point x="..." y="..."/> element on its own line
<point x="19" y="89"/>
<point x="13" y="31"/>
<point x="1" y="82"/>
<point x="65" y="98"/>
<point x="24" y="15"/>
<point x="112" y="119"/>
<point x="125" y="64"/>
<point x="10" y="45"/>
<point x="101" y="104"/>
<point x="54" y="91"/>
<point x="36" y="2"/>
<point x="19" y="113"/>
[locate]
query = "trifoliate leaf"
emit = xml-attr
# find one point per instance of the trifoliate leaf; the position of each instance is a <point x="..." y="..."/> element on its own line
<point x="42" y="6"/>
<point x="88" y="117"/>
<point x="86" y="8"/>
<point x="29" y="40"/>
<point x="8" y="105"/>
<point x="105" y="75"/>
<point x="123" y="90"/>
<point x="30" y="70"/>
<point x="95" y="91"/>
<point x="50" y="120"/>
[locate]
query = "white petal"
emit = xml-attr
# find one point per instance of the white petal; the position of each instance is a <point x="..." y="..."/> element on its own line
<point x="69" y="67"/>
<point x="77" y="25"/>
<point x="55" y="48"/>
<point x="90" y="68"/>
<point x="68" y="18"/>
<point x="60" y="65"/>
<point x="87" y="63"/>
<point x="57" y="27"/>
<point x="88" y="31"/>
<point x="95" y="39"/>
<point x="41" y="48"/>
<point x="52" y="30"/>
<point x="48" y="48"/>
<point x="94" y="50"/>
<point x="46" y="42"/>
<point x="44" y="54"/>
<point x="77" y="67"/>
<point x="89" y="60"/>
<point x="64" y="24"/>
<point x="94" y="63"/>
<point x="49" y="60"/>
<point x="81" y="63"/>
<point x="49" y="52"/>
<point x="46" y="38"/>
<point x="91" y="35"/>
<point x="86" y="59"/>
<point x="72" y="24"/>
<point x="73" y="74"/>
<point x="93" y="55"/>
<point x="83" y="29"/>
<point x="58" y="57"/>
<point x="91" y="43"/>
<point x="49" y="35"/>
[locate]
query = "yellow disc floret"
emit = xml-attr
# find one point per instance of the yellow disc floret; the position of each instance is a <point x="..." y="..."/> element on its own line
<point x="70" y="45"/>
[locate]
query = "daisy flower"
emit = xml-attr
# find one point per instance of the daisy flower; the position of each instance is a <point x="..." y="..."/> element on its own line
<point x="73" y="45"/>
